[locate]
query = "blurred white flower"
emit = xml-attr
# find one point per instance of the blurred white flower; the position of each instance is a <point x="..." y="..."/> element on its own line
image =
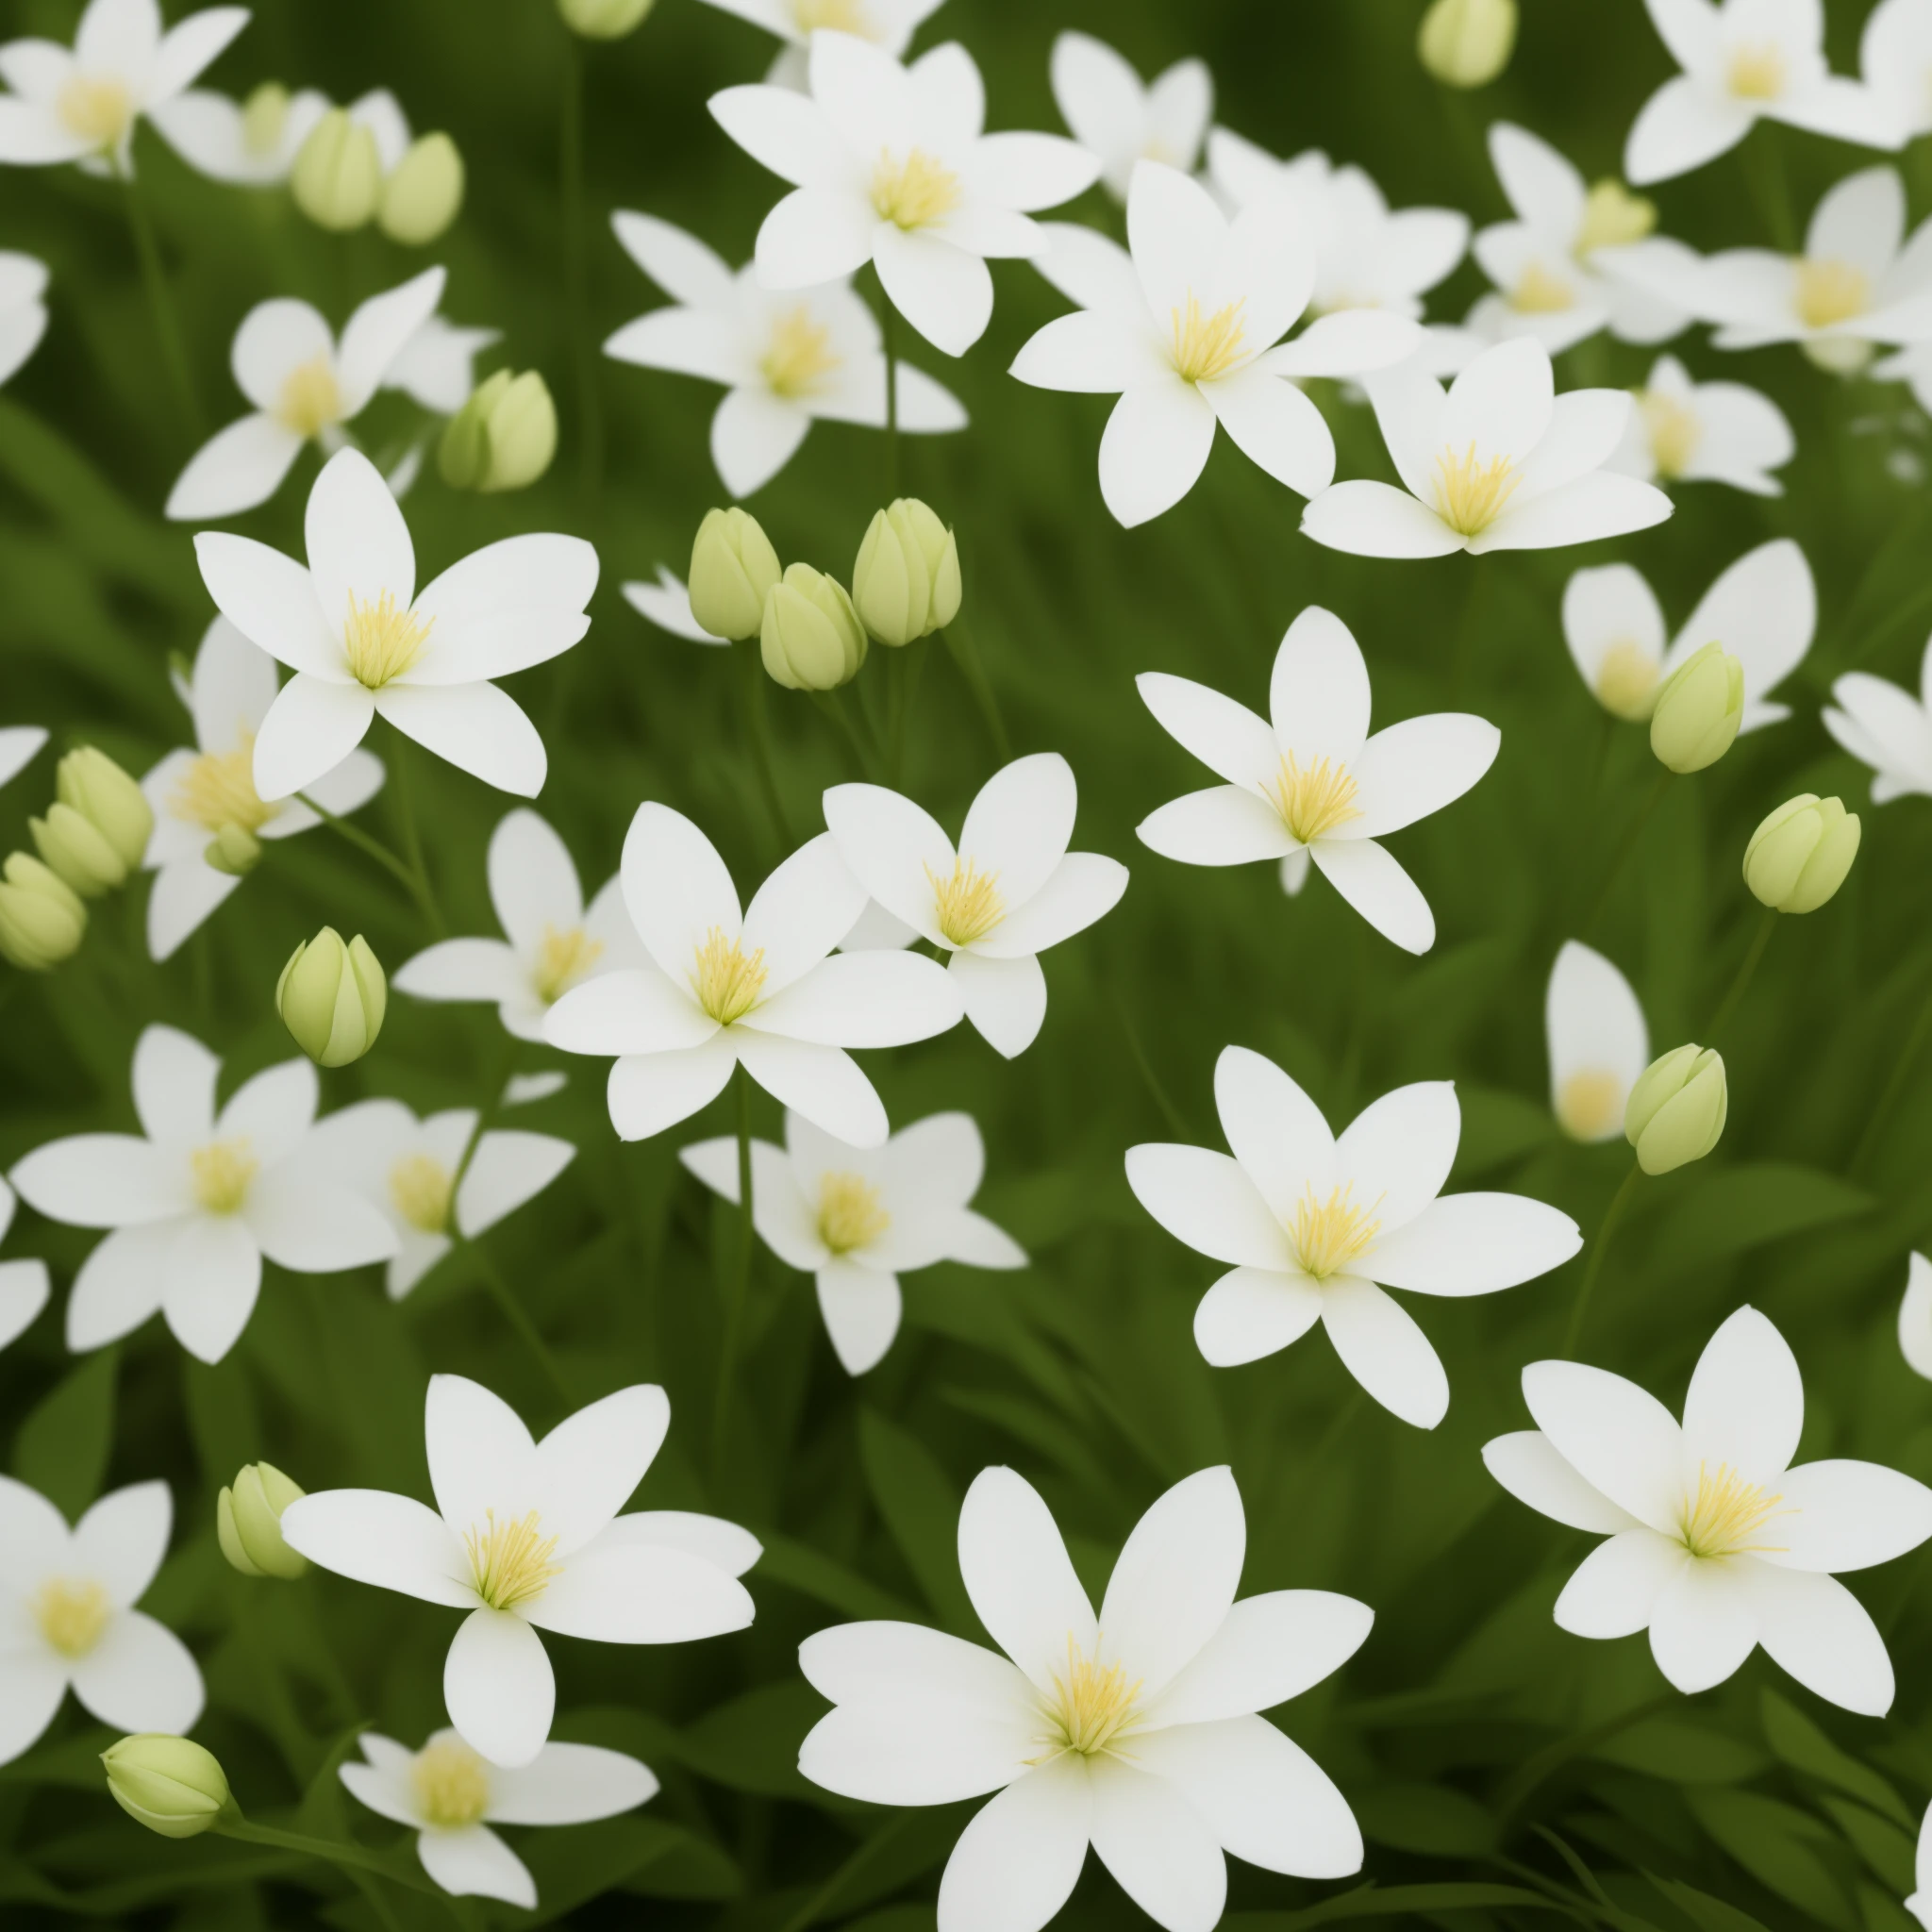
<point x="1683" y="431"/>
<point x="23" y="312"/>
<point x="437" y="366"/>
<point x="24" y="1286"/>
<point x="1308" y="782"/>
<point x="1119" y="119"/>
<point x="1885" y="728"/>
<point x="1598" y="1043"/>
<point x="1310" y="1224"/>
<point x="1716" y="1545"/>
<point x="857" y="1219"/>
<point x="1136" y="1732"/>
<point x="252" y="143"/>
<point x="783" y="358"/>
<point x="525" y="1536"/>
<point x="1915" y="1317"/>
<point x="1895" y="62"/>
<point x="667" y="604"/>
<point x="888" y="24"/>
<point x="20" y="744"/>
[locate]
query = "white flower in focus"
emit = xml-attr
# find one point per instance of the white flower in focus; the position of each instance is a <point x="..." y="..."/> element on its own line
<point x="551" y="943"/>
<point x="449" y="1796"/>
<point x="785" y="359"/>
<point x="1895" y="63"/>
<point x="24" y="1286"/>
<point x="1007" y="891"/>
<point x="856" y="1218"/>
<point x="891" y="165"/>
<point x="1598" y="1043"/>
<point x="1763" y="609"/>
<point x="67" y="1600"/>
<point x="1683" y="431"/>
<point x="525" y="1536"/>
<point x="196" y="1198"/>
<point x="1501" y="462"/>
<point x="1887" y="728"/>
<point x="362" y="640"/>
<point x="1135" y="1732"/>
<point x="20" y="744"/>
<point x="199" y="795"/>
<point x="667" y="604"/>
<point x="887" y="23"/>
<point x="23" y="312"/>
<point x="1915" y="1317"/>
<point x="437" y="366"/>
<point x="754" y="987"/>
<point x="1742" y="59"/>
<point x="80" y="104"/>
<point x="1309" y="783"/>
<point x="1314" y="1227"/>
<point x="252" y="143"/>
<point x="1119" y="119"/>
<point x="304" y="385"/>
<point x="1716" y="1545"/>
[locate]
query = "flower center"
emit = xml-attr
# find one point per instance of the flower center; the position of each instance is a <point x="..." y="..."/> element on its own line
<point x="1626" y="681"/>
<point x="843" y="16"/>
<point x="509" y="1562"/>
<point x="726" y="983"/>
<point x="420" y="1186"/>
<point x="1588" y="1104"/>
<point x="1727" y="1512"/>
<point x="72" y="1615"/>
<point x="222" y="1172"/>
<point x="914" y="192"/>
<point x="967" y="905"/>
<point x="1469" y="496"/>
<point x="1091" y="1707"/>
<point x="381" y="641"/>
<point x="1674" y="430"/>
<point x="311" y="398"/>
<point x="1312" y="799"/>
<point x="97" y="110"/>
<point x="452" y="1784"/>
<point x="1757" y="72"/>
<point x="1327" y="1235"/>
<point x="563" y="959"/>
<point x="1830" y="292"/>
<point x="1540" y="292"/>
<point x="800" y="357"/>
<point x="850" y="1213"/>
<point x="1612" y="216"/>
<point x="218" y="790"/>
<point x="1206" y="347"/>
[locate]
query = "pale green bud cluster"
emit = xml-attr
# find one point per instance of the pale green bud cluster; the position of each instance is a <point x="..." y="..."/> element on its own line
<point x="502" y="438"/>
<point x="425" y="193"/>
<point x="604" y="19"/>
<point x="41" y="919"/>
<point x="1677" y="1110"/>
<point x="810" y="638"/>
<point x="332" y="998"/>
<point x="234" y="850"/>
<point x="1800" y="856"/>
<point x="248" y="1523"/>
<point x="171" y="1785"/>
<point x="733" y="569"/>
<point x="97" y="828"/>
<point x="905" y="583"/>
<point x="1467" y="43"/>
<point x="1698" y="710"/>
<point x="336" y="179"/>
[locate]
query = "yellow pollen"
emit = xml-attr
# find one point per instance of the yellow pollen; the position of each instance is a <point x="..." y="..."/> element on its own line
<point x="452" y="1784"/>
<point x="726" y="983"/>
<point x="1091" y="1707"/>
<point x="563" y="959"/>
<point x="1757" y="72"/>
<point x="1540" y="293"/>
<point x="218" y="790"/>
<point x="311" y="398"/>
<point x="97" y="110"/>
<point x="915" y="192"/>
<point x="1327" y="1235"/>
<point x="1626" y="681"/>
<point x="1590" y="1104"/>
<point x="72" y="1616"/>
<point x="967" y="905"/>
<point x="1727" y="1512"/>
<point x="509" y="1562"/>
<point x="381" y="642"/>
<point x="1613" y="216"/>
<point x="850" y="1212"/>
<point x="1674" y="430"/>
<point x="1830" y="292"/>
<point x="1469" y="496"/>
<point x="1312" y="799"/>
<point x="843" y="16"/>
<point x="420" y="1186"/>
<point x="800" y="357"/>
<point x="1205" y="347"/>
<point x="222" y="1172"/>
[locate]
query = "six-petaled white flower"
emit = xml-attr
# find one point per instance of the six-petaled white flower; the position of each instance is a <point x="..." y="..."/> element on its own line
<point x="1598" y="1043"/>
<point x="1683" y="431"/>
<point x="1121" y="119"/>
<point x="1885" y="726"/>
<point x="24" y="1285"/>
<point x="23" y="309"/>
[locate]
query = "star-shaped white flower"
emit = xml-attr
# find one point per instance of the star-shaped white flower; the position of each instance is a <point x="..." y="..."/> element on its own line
<point x="1598" y="1043"/>
<point x="67" y="1599"/>
<point x="525" y="1536"/>
<point x="887" y="23"/>
<point x="1006" y="892"/>
<point x="754" y="987"/>
<point x="1501" y="462"/>
<point x="1683" y="431"/>
<point x="1311" y="784"/>
<point x="252" y="143"/>
<point x="20" y="744"/>
<point x="785" y="359"/>
<point x="551" y="943"/>
<point x="858" y="1218"/>
<point x="24" y="1286"/>
<point x="80" y="104"/>
<point x="891" y="165"/>
<point x="1915" y="1317"/>
<point x="23" y="309"/>
<point x="196" y="1199"/>
<point x="667" y="604"/>
<point x="1895" y="63"/>
<point x="1763" y="609"/>
<point x="1716" y="1545"/>
<point x="362" y="642"/>
<point x="1315" y="1227"/>
<point x="450" y="1795"/>
<point x="1187" y="331"/>
<point x="1121" y="119"/>
<point x="1887" y="728"/>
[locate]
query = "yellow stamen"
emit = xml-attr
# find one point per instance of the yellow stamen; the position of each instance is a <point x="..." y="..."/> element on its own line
<point x="1312" y="799"/>
<point x="851" y="1215"/>
<point x="726" y="983"/>
<point x="800" y="357"/>
<point x="1757" y="72"/>
<point x="311" y="398"/>
<point x="380" y="641"/>
<point x="1830" y="292"/>
<point x="1091" y="1707"/>
<point x="1469" y="496"/>
<point x="563" y="959"/>
<point x="97" y="110"/>
<point x="452" y="1784"/>
<point x="967" y="905"/>
<point x="1674" y="430"/>
<point x="218" y="790"/>
<point x="72" y="1615"/>
<point x="842" y="16"/>
<point x="1727" y="1512"/>
<point x="1590" y="1104"/>
<point x="913" y="193"/>
<point x="420" y="1186"/>
<point x="1327" y="1235"/>
<point x="1206" y="346"/>
<point x="509" y="1562"/>
<point x="1540" y="293"/>
<point x="1626" y="681"/>
<point x="1613" y="216"/>
<point x="223" y="1171"/>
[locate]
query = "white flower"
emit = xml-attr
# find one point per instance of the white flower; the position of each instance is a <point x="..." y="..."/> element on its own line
<point x="304" y="385"/>
<point x="1920" y="1903"/>
<point x="1135" y="1732"/>
<point x="196" y="795"/>
<point x="1502" y="462"/>
<point x="196" y="1198"/>
<point x="81" y="104"/>
<point x="550" y="943"/>
<point x="1312" y="784"/>
<point x="362" y="640"/>
<point x="1895" y="62"/>
<point x="752" y="988"/>
<point x="252" y="143"/>
<point x="1740" y="60"/>
<point x="437" y="366"/>
<point x="1597" y="1040"/>
<point x="1716" y="1543"/>
<point x="449" y="1796"/>
<point x="1915" y="1317"/>
<point x="783" y="358"/>
<point x="891" y="166"/>
<point x="1187" y="333"/>
<point x="407" y="1169"/>
<point x="1119" y="119"/>
<point x="20" y="745"/>
<point x="1887" y="728"/>
<point x="857" y="1219"/>
<point x="667" y="604"/>
<point x="1683" y="431"/>
<point x="525" y="1536"/>
<point x="23" y="309"/>
<point x="67" y="1599"/>
<point x="1007" y="891"/>
<point x="1763" y="609"/>
<point x="888" y="24"/>
<point x="23" y="1288"/>
<point x="1310" y="1226"/>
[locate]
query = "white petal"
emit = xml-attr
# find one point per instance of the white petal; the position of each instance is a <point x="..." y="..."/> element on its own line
<point x="633" y="1011"/>
<point x="1527" y="1465"/>
<point x="1841" y="1515"/>
<point x="814" y="236"/>
<point x="1397" y="1152"/>
<point x="787" y="132"/>
<point x="1681" y="126"/>
<point x="823" y="1083"/>
<point x="1017" y="1862"/>
<point x="313" y="724"/>
<point x="1606" y="606"/>
<point x="862" y="1308"/>
<point x="1416" y="768"/>
<point x="588" y="1465"/>
<point x="236" y="469"/>
<point x="1275" y="425"/>
<point x="1614" y="1591"/>
<point x="1702" y="1625"/>
<point x="676" y="889"/>
<point x="1318" y="691"/>
<point x="1174" y="1579"/>
<point x="102" y="1180"/>
<point x="507" y="1168"/>
<point x="1372" y="881"/>
<point x="140" y="1677"/>
<point x="461" y="969"/>
<point x="1815" y="1628"/>
<point x="472" y="1862"/>
<point x="1226" y="736"/>
<point x="1207" y="1201"/>
<point x="722" y="1544"/>
<point x="32" y="1682"/>
<point x="627" y="1592"/>
<point x="1745" y="1405"/>
<point x="357" y="539"/>
<point x="1376" y="519"/>
<point x="1005" y="999"/>
<point x="119" y="1285"/>
<point x="684" y="267"/>
<point x="1763" y="609"/>
<point x="1269" y="1648"/>
<point x="121" y="1540"/>
<point x="499" y="1688"/>
<point x="800" y="913"/>
<point x="174" y="1086"/>
<point x="311" y="1230"/>
<point x="1381" y="1346"/>
<point x="1158" y="1846"/>
<point x="504" y="608"/>
<point x="1088" y="353"/>
<point x="184" y="895"/>
<point x="1915" y="1317"/>
<point x="1226" y="825"/>
<point x="374" y="1536"/>
<point x="1465" y="1245"/>
<point x="378" y="332"/>
<point x="1596" y="505"/>
<point x="24" y="1290"/>
<point x="1021" y="824"/>
<point x="1252" y="1312"/>
<point x="1020" y="1578"/>
<point x="1622" y="1442"/>
<point x="754" y="435"/>
<point x="570" y="1784"/>
<point x="943" y="290"/>
<point x="1594" y="1025"/>
<point x="648" y="1092"/>
<point x="1154" y="449"/>
<point x="478" y="728"/>
<point x="1274" y="1129"/>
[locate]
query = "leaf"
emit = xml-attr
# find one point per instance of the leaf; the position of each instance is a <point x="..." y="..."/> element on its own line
<point x="815" y="1575"/>
<point x="1432" y="1819"/>
<point x="1741" y="1208"/>
<point x="1682" y="1752"/>
<point x="921" y="1508"/>
<point x="1374" y="1901"/>
<point x="574" y="1866"/>
<point x="63" y="1445"/>
<point x="1883" y="1846"/>
<point x="752" y="1743"/>
<point x="1805" y="1747"/>
<point x="1708" y="1914"/>
<point x="1497" y="1126"/>
<point x="1771" y="1841"/>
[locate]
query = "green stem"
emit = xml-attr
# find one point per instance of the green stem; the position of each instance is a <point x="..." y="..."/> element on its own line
<point x="833" y="707"/>
<point x="888" y="332"/>
<point x="577" y="267"/>
<point x="376" y="850"/>
<point x="1728" y="1004"/>
<point x="1170" y="1112"/>
<point x="1623" y="852"/>
<point x="740" y="1284"/>
<point x="351" y="1857"/>
<point x="1901" y="1070"/>
<point x="896" y="715"/>
<point x="278" y="1714"/>
<point x="1593" y="1267"/>
<point x="412" y="842"/>
<point x="959" y="641"/>
<point x="516" y="1315"/>
<point x="167" y="325"/>
<point x="751" y="707"/>
<point x="1765" y="168"/>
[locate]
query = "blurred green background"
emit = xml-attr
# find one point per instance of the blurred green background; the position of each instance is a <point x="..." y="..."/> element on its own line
<point x="1502" y="1771"/>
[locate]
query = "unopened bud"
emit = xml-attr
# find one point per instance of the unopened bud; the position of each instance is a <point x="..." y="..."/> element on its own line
<point x="421" y="199"/>
<point x="1698" y="710"/>
<point x="502" y="438"/>
<point x="905" y="583"/>
<point x="1467" y="43"/>
<point x="79" y="853"/>
<point x="732" y="568"/>
<point x="108" y="799"/>
<point x="332" y="998"/>
<point x="264" y="114"/>
<point x="1677" y="1110"/>
<point x="336" y="179"/>
<point x="811" y="639"/>
<point x="41" y="919"/>
<point x="234" y="850"/>
<point x="171" y="1785"/>
<point x="603" y="20"/>
<point x="1799" y="856"/>
<point x="1613" y="217"/>
<point x="248" y="1523"/>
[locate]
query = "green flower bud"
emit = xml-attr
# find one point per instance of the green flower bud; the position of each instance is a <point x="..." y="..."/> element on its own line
<point x="1467" y="43"/>
<point x="733" y="567"/>
<point x="464" y="455"/>
<point x="41" y="919"/>
<point x="421" y="199"/>
<point x="1698" y="710"/>
<point x="77" y="851"/>
<point x="502" y="438"/>
<point x="108" y="799"/>
<point x="905" y="583"/>
<point x="336" y="179"/>
<point x="248" y="1523"/>
<point x="264" y="114"/>
<point x="1799" y="856"/>
<point x="170" y="1784"/>
<point x="332" y="998"/>
<point x="811" y="639"/>
<point x="234" y="850"/>
<point x="1677" y="1110"/>
<point x="604" y="19"/>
